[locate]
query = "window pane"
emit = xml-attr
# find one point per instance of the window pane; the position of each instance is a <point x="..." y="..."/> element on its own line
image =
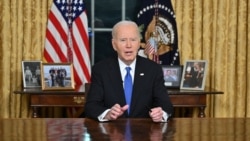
<point x="132" y="8"/>
<point x="103" y="45"/>
<point x="107" y="12"/>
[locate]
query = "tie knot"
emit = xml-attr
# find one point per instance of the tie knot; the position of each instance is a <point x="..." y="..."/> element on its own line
<point x="128" y="69"/>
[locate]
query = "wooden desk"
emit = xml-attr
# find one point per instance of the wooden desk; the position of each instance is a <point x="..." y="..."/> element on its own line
<point x="79" y="129"/>
<point x="40" y="98"/>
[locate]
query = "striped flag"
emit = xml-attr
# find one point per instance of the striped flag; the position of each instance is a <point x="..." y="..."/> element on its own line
<point x="67" y="37"/>
<point x="150" y="47"/>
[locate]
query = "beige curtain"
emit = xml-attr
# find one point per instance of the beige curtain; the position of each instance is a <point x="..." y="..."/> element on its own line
<point x="22" y="25"/>
<point x="218" y="31"/>
<point x="214" y="30"/>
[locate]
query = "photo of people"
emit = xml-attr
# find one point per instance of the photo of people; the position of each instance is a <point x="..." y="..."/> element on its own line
<point x="58" y="76"/>
<point x="172" y="75"/>
<point x="31" y="73"/>
<point x="194" y="75"/>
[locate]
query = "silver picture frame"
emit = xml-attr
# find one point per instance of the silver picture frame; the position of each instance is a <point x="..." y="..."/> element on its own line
<point x="31" y="73"/>
<point x="194" y="75"/>
<point x="172" y="76"/>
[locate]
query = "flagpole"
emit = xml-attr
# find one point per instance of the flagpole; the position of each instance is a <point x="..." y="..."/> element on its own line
<point x="69" y="22"/>
<point x="155" y="55"/>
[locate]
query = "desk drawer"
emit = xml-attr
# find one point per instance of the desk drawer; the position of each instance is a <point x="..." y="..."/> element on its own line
<point x="57" y="100"/>
<point x="188" y="100"/>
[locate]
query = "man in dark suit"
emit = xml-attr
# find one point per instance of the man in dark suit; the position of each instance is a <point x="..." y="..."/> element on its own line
<point x="106" y="97"/>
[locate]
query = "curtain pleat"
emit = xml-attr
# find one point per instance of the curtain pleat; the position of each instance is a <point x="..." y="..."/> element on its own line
<point x="241" y="47"/>
<point x="247" y="75"/>
<point x="5" y="59"/>
<point x="212" y="30"/>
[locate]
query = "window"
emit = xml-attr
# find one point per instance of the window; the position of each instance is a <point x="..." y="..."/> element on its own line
<point x="102" y="15"/>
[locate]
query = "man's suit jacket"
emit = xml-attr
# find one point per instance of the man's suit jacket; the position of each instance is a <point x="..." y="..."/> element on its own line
<point x="107" y="89"/>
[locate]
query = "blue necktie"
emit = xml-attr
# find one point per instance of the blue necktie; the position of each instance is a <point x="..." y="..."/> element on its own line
<point x="128" y="87"/>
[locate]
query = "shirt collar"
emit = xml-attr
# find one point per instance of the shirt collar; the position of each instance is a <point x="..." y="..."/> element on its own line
<point x="123" y="65"/>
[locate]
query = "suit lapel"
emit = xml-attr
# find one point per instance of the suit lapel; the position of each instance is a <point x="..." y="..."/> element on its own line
<point x="138" y="79"/>
<point x="116" y="80"/>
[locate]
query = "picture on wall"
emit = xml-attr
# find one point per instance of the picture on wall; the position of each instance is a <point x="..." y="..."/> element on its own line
<point x="57" y="76"/>
<point x="194" y="75"/>
<point x="172" y="76"/>
<point x="31" y="74"/>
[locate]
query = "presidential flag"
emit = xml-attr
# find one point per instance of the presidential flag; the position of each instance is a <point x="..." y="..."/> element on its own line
<point x="67" y="37"/>
<point x="156" y="20"/>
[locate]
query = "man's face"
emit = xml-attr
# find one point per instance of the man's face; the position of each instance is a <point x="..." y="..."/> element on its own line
<point x="168" y="72"/>
<point x="196" y="66"/>
<point x="126" y="43"/>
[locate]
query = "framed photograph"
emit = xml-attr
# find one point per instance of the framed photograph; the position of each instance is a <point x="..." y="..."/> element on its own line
<point x="194" y="75"/>
<point x="31" y="74"/>
<point x="172" y="76"/>
<point x="57" y="76"/>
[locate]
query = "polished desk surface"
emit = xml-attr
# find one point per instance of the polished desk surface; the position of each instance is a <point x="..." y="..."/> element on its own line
<point x="80" y="129"/>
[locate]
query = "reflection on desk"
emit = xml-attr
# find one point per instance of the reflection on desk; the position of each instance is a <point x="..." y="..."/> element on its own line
<point x="77" y="129"/>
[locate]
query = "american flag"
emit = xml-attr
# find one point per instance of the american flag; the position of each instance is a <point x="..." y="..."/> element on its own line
<point x="67" y="37"/>
<point x="150" y="47"/>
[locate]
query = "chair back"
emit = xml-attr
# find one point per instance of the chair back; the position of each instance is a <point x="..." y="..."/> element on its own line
<point x="87" y="86"/>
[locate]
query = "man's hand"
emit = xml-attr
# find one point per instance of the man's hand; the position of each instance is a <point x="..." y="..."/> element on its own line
<point x="115" y="112"/>
<point x="156" y="114"/>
